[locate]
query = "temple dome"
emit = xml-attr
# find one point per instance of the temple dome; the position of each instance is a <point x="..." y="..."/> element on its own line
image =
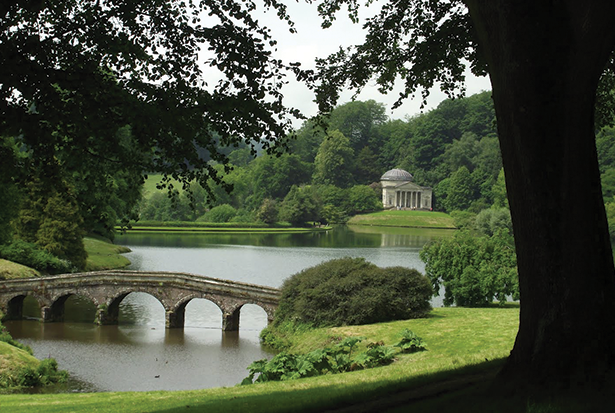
<point x="396" y="175"/>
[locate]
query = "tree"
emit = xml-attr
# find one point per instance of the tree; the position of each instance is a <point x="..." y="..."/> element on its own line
<point x="460" y="190"/>
<point x="363" y="199"/>
<point x="498" y="191"/>
<point x="545" y="61"/>
<point x="273" y="176"/>
<point x="367" y="167"/>
<point x="268" y="212"/>
<point x="61" y="229"/>
<point x="299" y="206"/>
<point x="220" y="213"/>
<point x="357" y="121"/>
<point x="334" y="162"/>
<point x="473" y="270"/>
<point x="9" y="193"/>
<point x="73" y="73"/>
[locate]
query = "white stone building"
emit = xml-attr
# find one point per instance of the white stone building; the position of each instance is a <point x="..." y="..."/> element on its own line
<point x="398" y="191"/>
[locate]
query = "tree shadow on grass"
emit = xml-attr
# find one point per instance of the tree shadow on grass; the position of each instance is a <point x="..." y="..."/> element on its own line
<point x="467" y="389"/>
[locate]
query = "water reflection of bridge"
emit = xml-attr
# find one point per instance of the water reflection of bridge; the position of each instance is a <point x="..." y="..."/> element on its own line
<point x="106" y="289"/>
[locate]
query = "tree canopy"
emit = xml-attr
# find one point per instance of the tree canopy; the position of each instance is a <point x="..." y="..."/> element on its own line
<point x="73" y="73"/>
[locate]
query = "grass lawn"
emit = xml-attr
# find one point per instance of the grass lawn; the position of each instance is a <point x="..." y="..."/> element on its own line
<point x="103" y="255"/>
<point x="412" y="219"/>
<point x="458" y="340"/>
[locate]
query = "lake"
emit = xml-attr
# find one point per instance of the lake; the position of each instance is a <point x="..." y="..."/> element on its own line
<point x="139" y="354"/>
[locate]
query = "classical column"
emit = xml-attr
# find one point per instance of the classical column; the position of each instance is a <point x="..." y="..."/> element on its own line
<point x="418" y="199"/>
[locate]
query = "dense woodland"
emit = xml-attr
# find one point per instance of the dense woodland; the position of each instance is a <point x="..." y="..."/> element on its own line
<point x="327" y="174"/>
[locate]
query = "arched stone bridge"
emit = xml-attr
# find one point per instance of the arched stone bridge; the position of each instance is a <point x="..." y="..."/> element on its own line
<point x="106" y="289"/>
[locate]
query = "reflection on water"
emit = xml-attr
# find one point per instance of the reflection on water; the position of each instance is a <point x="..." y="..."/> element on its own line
<point x="140" y="354"/>
<point x="354" y="236"/>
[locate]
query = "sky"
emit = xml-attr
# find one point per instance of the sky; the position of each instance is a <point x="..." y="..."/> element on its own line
<point x="311" y="41"/>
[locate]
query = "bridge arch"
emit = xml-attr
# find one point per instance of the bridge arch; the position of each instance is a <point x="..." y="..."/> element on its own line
<point x="55" y="310"/>
<point x="176" y="318"/>
<point x="109" y="311"/>
<point x="14" y="306"/>
<point x="231" y="314"/>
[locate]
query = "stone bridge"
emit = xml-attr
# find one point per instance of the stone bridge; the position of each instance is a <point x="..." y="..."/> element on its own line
<point x="106" y="289"/>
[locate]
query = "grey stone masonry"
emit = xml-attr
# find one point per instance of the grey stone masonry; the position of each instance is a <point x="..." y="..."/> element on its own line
<point x="106" y="289"/>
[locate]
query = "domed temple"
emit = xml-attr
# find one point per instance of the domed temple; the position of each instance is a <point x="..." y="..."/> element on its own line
<point x="398" y="191"/>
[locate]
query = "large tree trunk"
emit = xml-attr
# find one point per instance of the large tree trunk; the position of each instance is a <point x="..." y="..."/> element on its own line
<point x="544" y="59"/>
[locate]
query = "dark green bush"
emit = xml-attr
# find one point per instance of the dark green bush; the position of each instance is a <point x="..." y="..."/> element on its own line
<point x="352" y="291"/>
<point x="30" y="255"/>
<point x="45" y="374"/>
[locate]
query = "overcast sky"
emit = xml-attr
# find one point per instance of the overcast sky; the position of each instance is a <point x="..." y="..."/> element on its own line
<point x="311" y="41"/>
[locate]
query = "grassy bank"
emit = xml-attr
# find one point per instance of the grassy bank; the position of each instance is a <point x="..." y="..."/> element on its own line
<point x="11" y="270"/>
<point x="229" y="227"/>
<point x="103" y="255"/>
<point x="409" y="219"/>
<point x="458" y="342"/>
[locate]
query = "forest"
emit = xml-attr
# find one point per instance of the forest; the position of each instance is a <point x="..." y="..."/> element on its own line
<point x="326" y="175"/>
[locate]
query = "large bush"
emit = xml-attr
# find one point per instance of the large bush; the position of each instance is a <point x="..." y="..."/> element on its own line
<point x="351" y="291"/>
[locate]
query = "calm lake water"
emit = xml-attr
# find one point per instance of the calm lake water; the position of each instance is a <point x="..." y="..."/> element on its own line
<point x="139" y="354"/>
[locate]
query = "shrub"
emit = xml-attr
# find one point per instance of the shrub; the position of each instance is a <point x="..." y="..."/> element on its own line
<point x="220" y="213"/>
<point x="352" y="291"/>
<point x="46" y="373"/>
<point x="30" y="255"/>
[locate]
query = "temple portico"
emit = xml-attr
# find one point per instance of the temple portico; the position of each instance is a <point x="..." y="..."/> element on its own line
<point x="398" y="191"/>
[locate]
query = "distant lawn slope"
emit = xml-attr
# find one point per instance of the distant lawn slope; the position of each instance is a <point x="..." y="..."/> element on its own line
<point x="149" y="186"/>
<point x="411" y="219"/>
